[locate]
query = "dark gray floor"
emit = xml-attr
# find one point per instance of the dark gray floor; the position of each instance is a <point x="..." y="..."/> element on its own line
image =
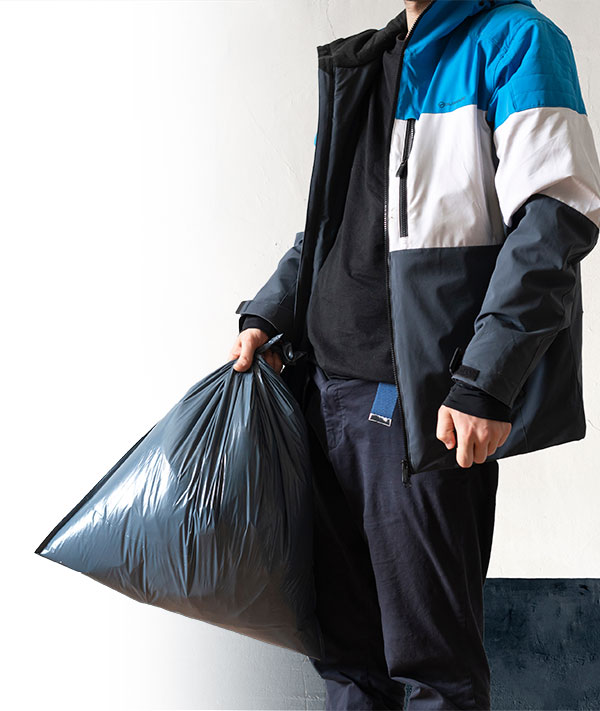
<point x="542" y="637"/>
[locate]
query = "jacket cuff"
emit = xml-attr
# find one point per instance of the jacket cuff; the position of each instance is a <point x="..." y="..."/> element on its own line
<point x="252" y="321"/>
<point x="277" y="315"/>
<point x="473" y="401"/>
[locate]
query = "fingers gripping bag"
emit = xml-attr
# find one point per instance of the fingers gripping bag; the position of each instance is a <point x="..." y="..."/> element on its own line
<point x="209" y="514"/>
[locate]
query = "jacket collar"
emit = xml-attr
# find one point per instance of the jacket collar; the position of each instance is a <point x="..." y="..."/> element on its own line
<point x="439" y="19"/>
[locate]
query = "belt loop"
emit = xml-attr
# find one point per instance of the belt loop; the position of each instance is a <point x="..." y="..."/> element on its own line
<point x="384" y="404"/>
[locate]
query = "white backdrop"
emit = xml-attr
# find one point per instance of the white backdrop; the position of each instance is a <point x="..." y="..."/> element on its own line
<point x="155" y="160"/>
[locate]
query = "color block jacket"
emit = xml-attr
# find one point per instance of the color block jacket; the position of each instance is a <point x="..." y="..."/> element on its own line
<point x="492" y="199"/>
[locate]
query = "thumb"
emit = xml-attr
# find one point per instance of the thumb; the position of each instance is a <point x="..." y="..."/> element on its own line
<point x="445" y="428"/>
<point x="246" y="356"/>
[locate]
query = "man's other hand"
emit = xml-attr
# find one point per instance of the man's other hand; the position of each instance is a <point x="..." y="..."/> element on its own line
<point x="477" y="437"/>
<point x="246" y="342"/>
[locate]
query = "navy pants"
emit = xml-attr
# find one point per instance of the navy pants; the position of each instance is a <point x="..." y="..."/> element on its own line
<point x="399" y="571"/>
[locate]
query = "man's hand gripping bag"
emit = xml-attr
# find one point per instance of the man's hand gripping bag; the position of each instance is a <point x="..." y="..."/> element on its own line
<point x="209" y="514"/>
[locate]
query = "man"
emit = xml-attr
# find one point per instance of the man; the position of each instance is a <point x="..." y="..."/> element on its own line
<point x="455" y="190"/>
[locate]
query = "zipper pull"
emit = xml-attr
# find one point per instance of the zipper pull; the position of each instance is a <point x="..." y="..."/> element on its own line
<point x="401" y="172"/>
<point x="406" y="473"/>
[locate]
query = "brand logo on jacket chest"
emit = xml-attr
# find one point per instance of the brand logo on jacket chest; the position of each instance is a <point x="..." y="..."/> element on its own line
<point x="442" y="104"/>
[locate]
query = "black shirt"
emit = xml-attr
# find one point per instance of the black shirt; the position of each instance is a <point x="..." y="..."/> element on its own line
<point x="347" y="317"/>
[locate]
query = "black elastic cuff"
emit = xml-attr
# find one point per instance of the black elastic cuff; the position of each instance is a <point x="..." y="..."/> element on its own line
<point x="252" y="321"/>
<point x="473" y="401"/>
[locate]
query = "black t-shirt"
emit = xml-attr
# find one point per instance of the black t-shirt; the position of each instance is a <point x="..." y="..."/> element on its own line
<point x="347" y="318"/>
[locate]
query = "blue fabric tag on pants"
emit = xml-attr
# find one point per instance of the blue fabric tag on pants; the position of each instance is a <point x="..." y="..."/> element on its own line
<point x="384" y="404"/>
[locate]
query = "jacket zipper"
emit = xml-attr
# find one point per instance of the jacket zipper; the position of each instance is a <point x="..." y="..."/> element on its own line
<point x="401" y="173"/>
<point x="407" y="469"/>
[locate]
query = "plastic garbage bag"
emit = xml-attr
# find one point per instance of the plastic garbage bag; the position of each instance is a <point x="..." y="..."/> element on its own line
<point x="209" y="514"/>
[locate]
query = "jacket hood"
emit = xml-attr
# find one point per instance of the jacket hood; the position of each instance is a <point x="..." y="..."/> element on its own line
<point x="439" y="19"/>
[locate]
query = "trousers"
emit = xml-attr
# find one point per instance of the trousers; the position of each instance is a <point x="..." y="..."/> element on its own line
<point x="399" y="571"/>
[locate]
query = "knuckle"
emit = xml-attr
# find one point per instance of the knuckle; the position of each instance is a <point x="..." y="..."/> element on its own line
<point x="468" y="428"/>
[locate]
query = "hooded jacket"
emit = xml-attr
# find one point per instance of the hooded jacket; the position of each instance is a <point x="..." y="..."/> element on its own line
<point x="492" y="199"/>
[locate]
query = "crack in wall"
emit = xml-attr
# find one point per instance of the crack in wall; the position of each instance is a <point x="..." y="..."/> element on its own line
<point x="329" y="19"/>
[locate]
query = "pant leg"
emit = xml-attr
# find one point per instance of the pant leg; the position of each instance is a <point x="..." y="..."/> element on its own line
<point x="353" y="665"/>
<point x="429" y="547"/>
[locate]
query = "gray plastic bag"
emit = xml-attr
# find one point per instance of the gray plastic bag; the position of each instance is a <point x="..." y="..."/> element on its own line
<point x="209" y="514"/>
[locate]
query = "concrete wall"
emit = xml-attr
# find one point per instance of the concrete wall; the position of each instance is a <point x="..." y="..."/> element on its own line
<point x="154" y="165"/>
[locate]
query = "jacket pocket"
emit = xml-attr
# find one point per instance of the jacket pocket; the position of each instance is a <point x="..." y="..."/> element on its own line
<point x="401" y="173"/>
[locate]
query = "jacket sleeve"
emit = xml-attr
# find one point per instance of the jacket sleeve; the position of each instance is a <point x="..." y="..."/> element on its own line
<point x="274" y="302"/>
<point x="548" y="186"/>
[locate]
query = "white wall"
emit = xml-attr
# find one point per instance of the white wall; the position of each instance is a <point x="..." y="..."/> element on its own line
<point x="155" y="160"/>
